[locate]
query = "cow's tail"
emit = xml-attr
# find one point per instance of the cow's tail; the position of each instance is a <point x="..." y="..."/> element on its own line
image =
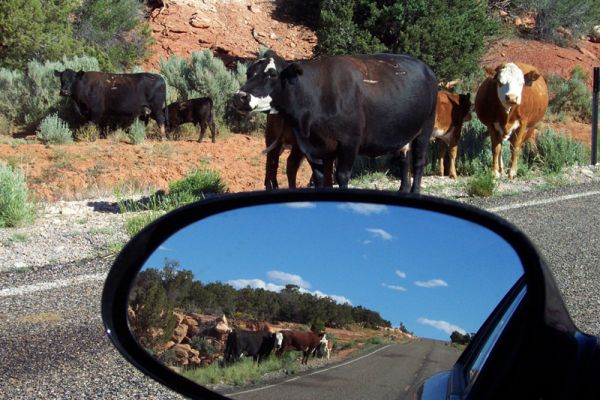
<point x="212" y="124"/>
<point x="272" y="146"/>
<point x="167" y="124"/>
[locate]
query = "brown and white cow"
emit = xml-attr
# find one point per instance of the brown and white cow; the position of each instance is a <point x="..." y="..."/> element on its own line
<point x="510" y="102"/>
<point x="451" y="111"/>
<point x="279" y="135"/>
<point x="303" y="341"/>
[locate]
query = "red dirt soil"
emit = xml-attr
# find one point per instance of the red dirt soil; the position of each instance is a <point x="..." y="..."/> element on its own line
<point x="234" y="30"/>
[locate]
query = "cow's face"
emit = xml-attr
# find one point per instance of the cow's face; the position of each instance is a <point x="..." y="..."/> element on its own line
<point x="67" y="80"/>
<point x="262" y="80"/>
<point x="509" y="84"/>
<point x="278" y="340"/>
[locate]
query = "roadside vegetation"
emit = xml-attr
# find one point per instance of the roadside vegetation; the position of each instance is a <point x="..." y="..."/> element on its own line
<point x="16" y="207"/>
<point x="193" y="187"/>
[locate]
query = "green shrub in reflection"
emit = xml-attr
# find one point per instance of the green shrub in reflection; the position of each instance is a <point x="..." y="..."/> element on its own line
<point x="244" y="372"/>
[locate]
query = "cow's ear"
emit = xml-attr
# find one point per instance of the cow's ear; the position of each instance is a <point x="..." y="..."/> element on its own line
<point x="57" y="73"/>
<point x="465" y="100"/>
<point x="489" y="71"/>
<point x="531" y="77"/>
<point x="291" y="73"/>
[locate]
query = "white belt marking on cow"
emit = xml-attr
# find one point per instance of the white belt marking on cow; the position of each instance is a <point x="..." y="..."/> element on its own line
<point x="312" y="373"/>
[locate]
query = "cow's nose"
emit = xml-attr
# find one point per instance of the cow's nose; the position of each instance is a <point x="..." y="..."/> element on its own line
<point x="511" y="99"/>
<point x="241" y="100"/>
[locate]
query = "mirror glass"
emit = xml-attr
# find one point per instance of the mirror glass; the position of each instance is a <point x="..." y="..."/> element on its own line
<point x="305" y="300"/>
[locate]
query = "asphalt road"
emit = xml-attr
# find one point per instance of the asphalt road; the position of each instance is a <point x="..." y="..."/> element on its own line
<point x="51" y="337"/>
<point x="389" y="372"/>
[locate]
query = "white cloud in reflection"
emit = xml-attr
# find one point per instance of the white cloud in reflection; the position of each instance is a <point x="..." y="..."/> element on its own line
<point x="363" y="208"/>
<point x="442" y="326"/>
<point x="287" y="278"/>
<point x="300" y="204"/>
<point x="394" y="287"/>
<point x="380" y="233"/>
<point x="164" y="248"/>
<point x="431" y="283"/>
<point x="272" y="287"/>
<point x="401" y="274"/>
<point x="255" y="284"/>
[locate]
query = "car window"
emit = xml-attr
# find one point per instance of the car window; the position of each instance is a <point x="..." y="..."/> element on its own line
<point x="472" y="371"/>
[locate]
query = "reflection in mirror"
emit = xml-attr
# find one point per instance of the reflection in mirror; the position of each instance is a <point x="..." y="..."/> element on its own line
<point x="351" y="300"/>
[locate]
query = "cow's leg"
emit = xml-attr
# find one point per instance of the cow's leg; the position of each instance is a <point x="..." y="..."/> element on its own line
<point x="419" y="149"/>
<point x="213" y="130"/>
<point x="346" y="154"/>
<point x="516" y="142"/>
<point x="292" y="165"/>
<point x="272" y="166"/>
<point x="404" y="169"/>
<point x="328" y="171"/>
<point x="496" y="152"/>
<point x="453" y="152"/>
<point x="202" y="131"/>
<point x="318" y="174"/>
<point x="441" y="154"/>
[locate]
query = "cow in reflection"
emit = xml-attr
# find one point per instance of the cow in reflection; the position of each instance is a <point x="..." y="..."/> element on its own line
<point x="306" y="342"/>
<point x="257" y="345"/>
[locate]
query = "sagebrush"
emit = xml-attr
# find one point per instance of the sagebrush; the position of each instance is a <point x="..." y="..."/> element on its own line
<point x="16" y="207"/>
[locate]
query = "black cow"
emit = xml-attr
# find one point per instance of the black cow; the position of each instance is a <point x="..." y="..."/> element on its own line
<point x="98" y="95"/>
<point x="198" y="111"/>
<point x="257" y="344"/>
<point x="340" y="106"/>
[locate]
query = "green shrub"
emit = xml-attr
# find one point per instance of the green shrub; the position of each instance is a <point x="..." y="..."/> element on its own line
<point x="15" y="206"/>
<point x="137" y="132"/>
<point x="12" y="94"/>
<point x="575" y="16"/>
<point x="115" y="32"/>
<point x="87" y="133"/>
<point x="555" y="151"/>
<point x="135" y="224"/>
<point x="53" y="130"/>
<point x="198" y="184"/>
<point x="204" y="345"/>
<point x="571" y="96"/>
<point x="204" y="75"/>
<point x="36" y="29"/>
<point x="433" y="31"/>
<point x="483" y="184"/>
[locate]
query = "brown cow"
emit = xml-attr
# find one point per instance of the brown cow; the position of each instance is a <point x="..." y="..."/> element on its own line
<point x="510" y="102"/>
<point x="451" y="111"/>
<point x="279" y="135"/>
<point x="303" y="341"/>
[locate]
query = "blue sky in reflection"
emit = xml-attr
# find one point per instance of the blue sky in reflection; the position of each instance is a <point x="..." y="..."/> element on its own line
<point x="433" y="272"/>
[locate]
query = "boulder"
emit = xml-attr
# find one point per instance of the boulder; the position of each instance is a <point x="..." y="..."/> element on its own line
<point x="180" y="333"/>
<point x="595" y="34"/>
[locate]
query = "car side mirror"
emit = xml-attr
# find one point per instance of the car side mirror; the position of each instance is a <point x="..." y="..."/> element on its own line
<point x="316" y="291"/>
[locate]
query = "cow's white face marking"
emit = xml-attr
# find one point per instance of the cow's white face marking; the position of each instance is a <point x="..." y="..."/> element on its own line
<point x="278" y="339"/>
<point x="510" y="85"/>
<point x="270" y="65"/>
<point x="324" y="339"/>
<point x="260" y="104"/>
